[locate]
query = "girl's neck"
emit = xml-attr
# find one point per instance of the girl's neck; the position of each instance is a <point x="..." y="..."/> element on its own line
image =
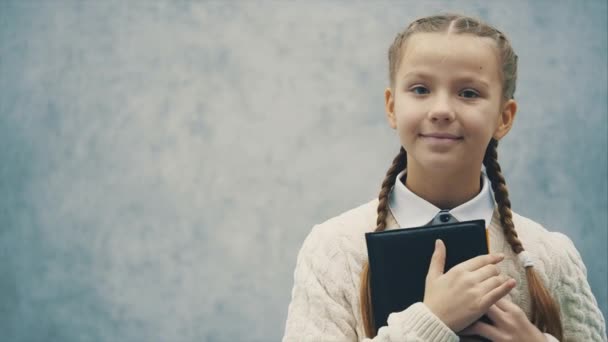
<point x="445" y="190"/>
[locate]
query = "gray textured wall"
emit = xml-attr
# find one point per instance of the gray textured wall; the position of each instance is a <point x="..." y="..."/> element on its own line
<point x="162" y="162"/>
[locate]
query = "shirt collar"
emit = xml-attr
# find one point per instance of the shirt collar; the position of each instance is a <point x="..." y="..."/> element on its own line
<point x="410" y="210"/>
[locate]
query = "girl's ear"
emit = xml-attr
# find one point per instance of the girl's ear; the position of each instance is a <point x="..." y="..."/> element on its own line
<point x="389" y="105"/>
<point x="505" y="120"/>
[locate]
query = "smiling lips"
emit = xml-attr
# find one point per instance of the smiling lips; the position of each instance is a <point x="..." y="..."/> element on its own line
<point x="441" y="140"/>
<point x="441" y="136"/>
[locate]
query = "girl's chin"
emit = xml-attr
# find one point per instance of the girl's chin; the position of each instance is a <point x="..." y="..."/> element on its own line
<point x="442" y="164"/>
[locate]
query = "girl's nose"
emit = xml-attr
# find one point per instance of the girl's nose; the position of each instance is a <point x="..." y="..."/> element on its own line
<point x="441" y="110"/>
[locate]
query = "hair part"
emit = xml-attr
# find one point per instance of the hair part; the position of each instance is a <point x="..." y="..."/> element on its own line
<point x="545" y="310"/>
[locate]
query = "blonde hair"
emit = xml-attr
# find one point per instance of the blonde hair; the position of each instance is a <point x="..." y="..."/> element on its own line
<point x="545" y="310"/>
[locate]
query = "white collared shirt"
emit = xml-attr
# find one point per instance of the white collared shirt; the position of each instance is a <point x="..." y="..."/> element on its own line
<point x="410" y="210"/>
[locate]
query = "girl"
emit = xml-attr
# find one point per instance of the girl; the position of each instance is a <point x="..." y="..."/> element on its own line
<point x="452" y="80"/>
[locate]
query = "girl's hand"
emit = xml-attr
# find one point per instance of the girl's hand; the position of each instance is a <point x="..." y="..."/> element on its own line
<point x="510" y="324"/>
<point x="463" y="294"/>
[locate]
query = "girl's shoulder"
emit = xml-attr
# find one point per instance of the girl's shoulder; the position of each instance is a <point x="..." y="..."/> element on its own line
<point x="553" y="248"/>
<point x="359" y="218"/>
<point x="532" y="232"/>
<point x="352" y="222"/>
<point x="344" y="232"/>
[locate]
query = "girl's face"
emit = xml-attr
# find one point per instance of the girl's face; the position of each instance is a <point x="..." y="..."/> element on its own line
<point x="447" y="102"/>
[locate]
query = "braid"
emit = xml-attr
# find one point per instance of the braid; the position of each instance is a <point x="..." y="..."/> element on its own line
<point x="399" y="164"/>
<point x="501" y="195"/>
<point x="545" y="310"/>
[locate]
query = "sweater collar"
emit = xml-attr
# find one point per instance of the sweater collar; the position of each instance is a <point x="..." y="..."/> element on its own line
<point x="410" y="210"/>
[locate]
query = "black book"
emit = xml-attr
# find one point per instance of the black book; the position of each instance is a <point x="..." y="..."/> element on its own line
<point x="399" y="260"/>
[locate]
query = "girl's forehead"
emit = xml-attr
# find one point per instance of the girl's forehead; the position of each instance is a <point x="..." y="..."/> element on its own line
<point x="464" y="52"/>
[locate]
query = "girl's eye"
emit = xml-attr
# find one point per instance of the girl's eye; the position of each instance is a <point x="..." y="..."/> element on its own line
<point x="470" y="94"/>
<point x="419" y="90"/>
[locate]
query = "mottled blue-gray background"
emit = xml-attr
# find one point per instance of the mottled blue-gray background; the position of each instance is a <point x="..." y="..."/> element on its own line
<point x="162" y="162"/>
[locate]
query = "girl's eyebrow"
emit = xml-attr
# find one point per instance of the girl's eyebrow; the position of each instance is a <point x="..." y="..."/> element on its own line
<point x="462" y="79"/>
<point x="417" y="74"/>
<point x="479" y="81"/>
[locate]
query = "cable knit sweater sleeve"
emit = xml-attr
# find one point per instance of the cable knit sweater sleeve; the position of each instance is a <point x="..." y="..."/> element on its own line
<point x="581" y="317"/>
<point x="320" y="309"/>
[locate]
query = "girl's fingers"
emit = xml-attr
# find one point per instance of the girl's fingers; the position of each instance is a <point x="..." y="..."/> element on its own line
<point x="486" y="272"/>
<point x="506" y="305"/>
<point x="484" y="330"/>
<point x="437" y="265"/>
<point x="496" y="314"/>
<point x="480" y="261"/>
<point x="490" y="284"/>
<point x="497" y="293"/>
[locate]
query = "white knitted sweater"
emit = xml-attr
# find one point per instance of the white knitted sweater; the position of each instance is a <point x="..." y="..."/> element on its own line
<point x="325" y="298"/>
